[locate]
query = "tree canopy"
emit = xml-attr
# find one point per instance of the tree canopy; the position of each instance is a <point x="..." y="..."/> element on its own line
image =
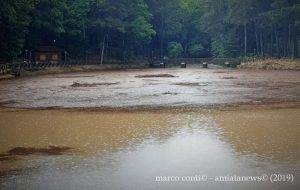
<point x="131" y="29"/>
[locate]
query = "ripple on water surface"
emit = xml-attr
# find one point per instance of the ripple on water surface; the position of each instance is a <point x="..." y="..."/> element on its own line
<point x="127" y="150"/>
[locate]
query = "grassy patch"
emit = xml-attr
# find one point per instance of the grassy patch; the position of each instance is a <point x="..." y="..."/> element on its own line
<point x="272" y="64"/>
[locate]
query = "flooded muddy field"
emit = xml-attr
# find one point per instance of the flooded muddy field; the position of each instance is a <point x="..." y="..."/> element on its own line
<point x="72" y="149"/>
<point x="151" y="129"/>
<point x="151" y="88"/>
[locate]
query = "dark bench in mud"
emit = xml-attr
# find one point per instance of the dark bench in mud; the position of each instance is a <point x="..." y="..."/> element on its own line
<point x="157" y="65"/>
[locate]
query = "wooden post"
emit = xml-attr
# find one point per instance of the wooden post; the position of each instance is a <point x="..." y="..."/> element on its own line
<point x="245" y="39"/>
<point x="102" y="51"/>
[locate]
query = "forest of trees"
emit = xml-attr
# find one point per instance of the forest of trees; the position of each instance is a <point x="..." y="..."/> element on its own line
<point x="140" y="29"/>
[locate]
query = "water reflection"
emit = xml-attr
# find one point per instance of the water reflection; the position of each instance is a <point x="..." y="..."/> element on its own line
<point x="127" y="150"/>
<point x="272" y="134"/>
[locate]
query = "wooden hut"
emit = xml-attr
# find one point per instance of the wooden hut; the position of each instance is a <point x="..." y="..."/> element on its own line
<point x="49" y="54"/>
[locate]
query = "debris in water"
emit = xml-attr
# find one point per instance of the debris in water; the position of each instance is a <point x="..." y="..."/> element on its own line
<point x="190" y="84"/>
<point x="229" y="77"/>
<point x="170" y="93"/>
<point x="77" y="84"/>
<point x="51" y="150"/>
<point x="153" y="76"/>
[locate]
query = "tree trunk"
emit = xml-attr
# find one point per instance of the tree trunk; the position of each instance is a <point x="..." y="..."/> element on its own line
<point x="102" y="51"/>
<point x="294" y="43"/>
<point x="272" y="41"/>
<point x="296" y="47"/>
<point x="262" y="44"/>
<point x="84" y="41"/>
<point x="293" y="50"/>
<point x="277" y="42"/>
<point x="294" y="39"/>
<point x="162" y="45"/>
<point x="83" y="30"/>
<point x="256" y="41"/>
<point x="162" y="36"/>
<point x="123" y="51"/>
<point x="289" y="45"/>
<point x="245" y="39"/>
<point x="186" y="49"/>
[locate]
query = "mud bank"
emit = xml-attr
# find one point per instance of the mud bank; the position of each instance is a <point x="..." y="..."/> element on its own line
<point x="83" y="68"/>
<point x="146" y="88"/>
<point x="121" y="129"/>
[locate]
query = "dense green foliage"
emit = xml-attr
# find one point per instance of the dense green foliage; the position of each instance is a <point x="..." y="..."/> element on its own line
<point x="127" y="29"/>
<point x="175" y="50"/>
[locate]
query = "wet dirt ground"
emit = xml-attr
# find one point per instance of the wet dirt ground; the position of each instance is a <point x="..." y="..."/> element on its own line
<point x="139" y="131"/>
<point x="152" y="88"/>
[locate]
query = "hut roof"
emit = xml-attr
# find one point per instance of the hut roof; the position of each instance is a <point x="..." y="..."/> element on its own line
<point x="48" y="49"/>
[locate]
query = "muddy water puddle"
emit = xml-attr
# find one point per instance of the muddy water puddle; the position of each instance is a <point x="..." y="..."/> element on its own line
<point x="65" y="149"/>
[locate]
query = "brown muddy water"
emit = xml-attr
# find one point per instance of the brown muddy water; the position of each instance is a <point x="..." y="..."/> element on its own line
<point x="71" y="149"/>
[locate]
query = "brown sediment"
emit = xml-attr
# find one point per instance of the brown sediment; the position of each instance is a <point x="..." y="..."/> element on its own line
<point x="271" y="133"/>
<point x="77" y="84"/>
<point x="258" y="104"/>
<point x="51" y="150"/>
<point x="9" y="161"/>
<point x="9" y="172"/>
<point x="7" y="157"/>
<point x="155" y="75"/>
<point x="51" y="115"/>
<point x="263" y="133"/>
<point x="96" y="132"/>
<point x="53" y="92"/>
<point x="6" y="102"/>
<point x="25" y="151"/>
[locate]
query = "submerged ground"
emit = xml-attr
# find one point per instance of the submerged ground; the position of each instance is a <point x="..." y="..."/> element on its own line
<point x="146" y="124"/>
<point x="152" y="87"/>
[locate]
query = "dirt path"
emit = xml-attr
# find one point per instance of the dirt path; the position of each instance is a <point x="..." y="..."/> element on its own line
<point x="191" y="87"/>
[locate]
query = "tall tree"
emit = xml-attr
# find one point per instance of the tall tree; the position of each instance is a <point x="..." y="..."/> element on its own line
<point x="128" y="29"/>
<point x="139" y="30"/>
<point x="241" y="14"/>
<point x="47" y="22"/>
<point x="14" y="22"/>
